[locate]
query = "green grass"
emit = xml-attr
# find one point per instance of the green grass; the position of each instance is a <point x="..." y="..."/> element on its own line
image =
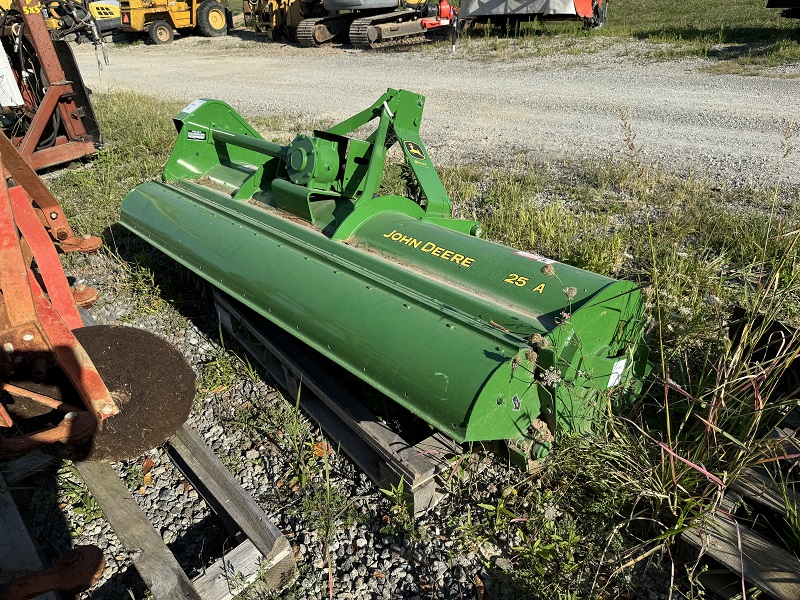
<point x="138" y="135"/>
<point x="698" y="248"/>
<point x="740" y="36"/>
<point x="235" y="5"/>
<point x="223" y="370"/>
<point x="743" y="31"/>
<point x="715" y="21"/>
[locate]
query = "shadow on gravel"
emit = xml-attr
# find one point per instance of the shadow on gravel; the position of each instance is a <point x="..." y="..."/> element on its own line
<point x="732" y="35"/>
<point x="42" y="499"/>
<point x="733" y="43"/>
<point x="45" y="497"/>
<point x="248" y="35"/>
<point x="181" y="289"/>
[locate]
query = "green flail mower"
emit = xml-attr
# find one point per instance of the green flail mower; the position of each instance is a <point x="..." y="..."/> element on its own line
<point x="482" y="341"/>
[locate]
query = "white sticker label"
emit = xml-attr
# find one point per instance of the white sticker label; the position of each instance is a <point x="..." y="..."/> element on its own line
<point x="617" y="371"/>
<point x="193" y="106"/>
<point x="541" y="259"/>
<point x="196" y="135"/>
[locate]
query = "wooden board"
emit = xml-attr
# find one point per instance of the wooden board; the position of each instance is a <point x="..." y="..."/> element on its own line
<point x="382" y="455"/>
<point x="155" y="563"/>
<point x="744" y="553"/>
<point x="761" y="489"/>
<point x="231" y="574"/>
<point x="18" y="552"/>
<point x="233" y="504"/>
<point x="792" y="420"/>
<point x="789" y="443"/>
<point x="770" y="569"/>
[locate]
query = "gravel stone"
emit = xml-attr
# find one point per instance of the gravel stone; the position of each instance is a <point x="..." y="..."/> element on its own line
<point x="558" y="105"/>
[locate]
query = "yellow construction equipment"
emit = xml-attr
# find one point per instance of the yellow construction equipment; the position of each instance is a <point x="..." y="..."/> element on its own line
<point x="159" y="19"/>
<point x="106" y="15"/>
<point x="278" y="19"/>
<point x="364" y="23"/>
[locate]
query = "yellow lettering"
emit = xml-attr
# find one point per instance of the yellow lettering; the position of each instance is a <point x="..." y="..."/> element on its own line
<point x="431" y="248"/>
<point x="390" y="234"/>
<point x="539" y="288"/>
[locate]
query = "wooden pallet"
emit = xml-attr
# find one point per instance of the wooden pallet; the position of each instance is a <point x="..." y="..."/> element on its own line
<point x="265" y="554"/>
<point x="748" y="560"/>
<point x="18" y="551"/>
<point x="380" y="453"/>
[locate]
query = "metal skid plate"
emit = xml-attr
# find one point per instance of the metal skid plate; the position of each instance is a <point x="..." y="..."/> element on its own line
<point x="152" y="381"/>
<point x="149" y="379"/>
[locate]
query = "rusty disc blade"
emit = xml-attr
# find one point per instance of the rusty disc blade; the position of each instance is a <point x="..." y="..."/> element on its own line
<point x="153" y="381"/>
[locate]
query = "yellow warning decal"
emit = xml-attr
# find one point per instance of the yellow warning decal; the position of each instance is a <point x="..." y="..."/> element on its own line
<point x="415" y="150"/>
<point x="431" y="248"/>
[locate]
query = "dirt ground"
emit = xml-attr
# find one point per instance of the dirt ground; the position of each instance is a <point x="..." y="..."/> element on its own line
<point x="489" y="107"/>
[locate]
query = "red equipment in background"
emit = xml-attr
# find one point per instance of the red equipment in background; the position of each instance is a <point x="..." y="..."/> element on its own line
<point x="445" y="15"/>
<point x="48" y="117"/>
<point x="591" y="12"/>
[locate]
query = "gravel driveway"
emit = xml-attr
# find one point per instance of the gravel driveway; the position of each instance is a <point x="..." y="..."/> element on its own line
<point x="477" y="106"/>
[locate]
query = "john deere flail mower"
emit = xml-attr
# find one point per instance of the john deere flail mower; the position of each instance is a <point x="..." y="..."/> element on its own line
<point x="482" y="341"/>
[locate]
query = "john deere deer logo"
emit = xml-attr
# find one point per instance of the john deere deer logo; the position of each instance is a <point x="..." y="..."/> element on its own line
<point x="414" y="150"/>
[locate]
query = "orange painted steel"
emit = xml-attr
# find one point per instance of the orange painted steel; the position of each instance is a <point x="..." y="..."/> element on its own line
<point x="48" y="209"/>
<point x="37" y="309"/>
<point x="77" y="570"/>
<point x="59" y="98"/>
<point x="46" y="257"/>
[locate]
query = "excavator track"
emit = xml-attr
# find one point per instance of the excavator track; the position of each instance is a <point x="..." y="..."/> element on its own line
<point x="305" y="32"/>
<point x="309" y="36"/>
<point x="360" y="30"/>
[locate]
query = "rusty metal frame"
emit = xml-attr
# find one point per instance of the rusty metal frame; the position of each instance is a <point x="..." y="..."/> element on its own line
<point x="59" y="96"/>
<point x="78" y="569"/>
<point x="48" y="209"/>
<point x="36" y="326"/>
